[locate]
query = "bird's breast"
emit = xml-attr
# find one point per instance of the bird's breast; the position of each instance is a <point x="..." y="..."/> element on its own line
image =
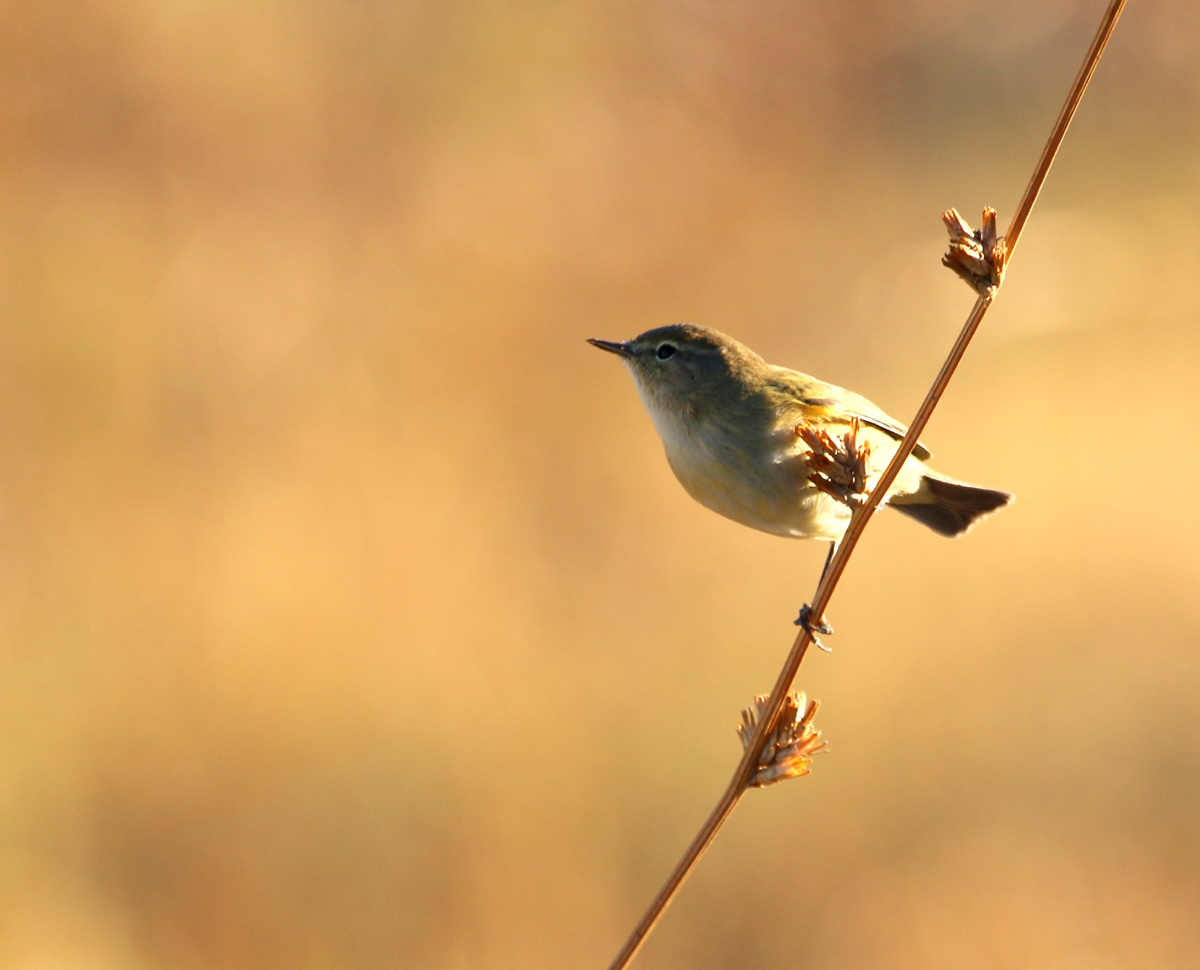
<point x="760" y="480"/>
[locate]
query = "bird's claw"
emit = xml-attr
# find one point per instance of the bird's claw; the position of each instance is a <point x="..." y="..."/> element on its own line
<point x="805" y="620"/>
<point x="821" y="627"/>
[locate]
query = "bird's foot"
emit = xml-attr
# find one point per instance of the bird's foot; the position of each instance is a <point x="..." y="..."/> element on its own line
<point x="821" y="627"/>
<point x="805" y="620"/>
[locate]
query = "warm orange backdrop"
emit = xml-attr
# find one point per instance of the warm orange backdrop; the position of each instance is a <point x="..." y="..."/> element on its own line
<point x="349" y="614"/>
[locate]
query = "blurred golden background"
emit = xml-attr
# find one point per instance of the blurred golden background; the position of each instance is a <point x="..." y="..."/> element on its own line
<point x="350" y="615"/>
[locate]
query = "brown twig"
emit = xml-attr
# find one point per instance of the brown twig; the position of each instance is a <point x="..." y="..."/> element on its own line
<point x="767" y="718"/>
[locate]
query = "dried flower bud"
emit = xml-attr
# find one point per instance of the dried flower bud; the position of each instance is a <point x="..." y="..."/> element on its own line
<point x="838" y="468"/>
<point x="977" y="256"/>
<point x="788" y="748"/>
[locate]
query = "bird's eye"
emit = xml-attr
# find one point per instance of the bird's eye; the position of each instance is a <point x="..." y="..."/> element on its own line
<point x="665" y="351"/>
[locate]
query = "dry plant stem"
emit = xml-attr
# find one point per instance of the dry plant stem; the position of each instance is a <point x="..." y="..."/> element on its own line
<point x="1086" y="70"/>
<point x="858" y="522"/>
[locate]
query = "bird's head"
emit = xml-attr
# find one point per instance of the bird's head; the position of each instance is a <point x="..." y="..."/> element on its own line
<point x="685" y="368"/>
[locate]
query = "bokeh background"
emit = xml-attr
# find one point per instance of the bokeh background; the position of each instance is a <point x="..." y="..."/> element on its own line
<point x="350" y="616"/>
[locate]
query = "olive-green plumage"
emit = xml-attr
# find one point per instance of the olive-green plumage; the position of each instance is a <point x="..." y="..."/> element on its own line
<point x="728" y="422"/>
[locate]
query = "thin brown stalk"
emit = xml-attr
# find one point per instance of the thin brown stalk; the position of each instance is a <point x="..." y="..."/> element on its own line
<point x="862" y="515"/>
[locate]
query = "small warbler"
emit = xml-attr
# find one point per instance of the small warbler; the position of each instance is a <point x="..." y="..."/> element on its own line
<point x="729" y="423"/>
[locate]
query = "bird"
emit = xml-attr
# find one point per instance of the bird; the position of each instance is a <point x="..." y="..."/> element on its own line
<point x="730" y="426"/>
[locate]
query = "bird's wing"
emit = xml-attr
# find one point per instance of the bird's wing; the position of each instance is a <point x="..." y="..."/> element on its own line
<point x="834" y="402"/>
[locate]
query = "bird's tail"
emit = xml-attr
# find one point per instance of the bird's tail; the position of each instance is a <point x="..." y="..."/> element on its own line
<point x="948" y="507"/>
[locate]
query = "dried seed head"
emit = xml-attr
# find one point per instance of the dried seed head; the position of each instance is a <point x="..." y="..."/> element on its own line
<point x="838" y="468"/>
<point x="977" y="256"/>
<point x="788" y="748"/>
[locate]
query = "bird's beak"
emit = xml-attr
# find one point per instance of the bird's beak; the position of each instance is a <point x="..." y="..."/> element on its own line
<point x="621" y="350"/>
